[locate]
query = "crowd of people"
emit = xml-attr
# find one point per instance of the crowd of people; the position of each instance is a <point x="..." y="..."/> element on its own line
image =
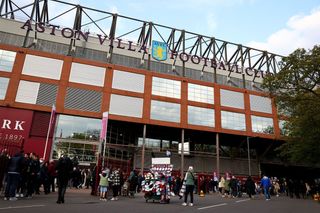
<point x="234" y="187"/>
<point x="22" y="175"/>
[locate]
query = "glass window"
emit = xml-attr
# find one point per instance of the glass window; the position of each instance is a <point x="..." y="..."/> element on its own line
<point x="165" y="111"/>
<point x="166" y="87"/>
<point x="3" y="87"/>
<point x="73" y="127"/>
<point x="200" y="93"/>
<point x="260" y="104"/>
<point x="233" y="120"/>
<point x="7" y="60"/>
<point x="165" y="144"/>
<point x="232" y="99"/>
<point x="200" y="116"/>
<point x="77" y="137"/>
<point x="150" y="143"/>
<point x="174" y="145"/>
<point x="262" y="124"/>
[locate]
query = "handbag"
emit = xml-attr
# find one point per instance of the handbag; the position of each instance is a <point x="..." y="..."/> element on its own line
<point x="183" y="188"/>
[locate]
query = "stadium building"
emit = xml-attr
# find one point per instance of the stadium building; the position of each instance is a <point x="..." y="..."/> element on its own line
<point x="157" y="86"/>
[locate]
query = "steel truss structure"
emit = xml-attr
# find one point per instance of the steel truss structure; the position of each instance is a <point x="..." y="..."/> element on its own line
<point x="178" y="41"/>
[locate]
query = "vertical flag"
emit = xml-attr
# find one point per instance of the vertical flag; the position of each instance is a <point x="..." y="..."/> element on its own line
<point x="104" y="125"/>
<point x="53" y="113"/>
<point x="103" y="135"/>
<point x="51" y="123"/>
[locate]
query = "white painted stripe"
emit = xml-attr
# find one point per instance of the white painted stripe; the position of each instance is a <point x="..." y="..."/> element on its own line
<point x="20" y="207"/>
<point x="217" y="205"/>
<point x="239" y="201"/>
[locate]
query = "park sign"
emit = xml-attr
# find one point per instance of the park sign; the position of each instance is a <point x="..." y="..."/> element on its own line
<point x="159" y="50"/>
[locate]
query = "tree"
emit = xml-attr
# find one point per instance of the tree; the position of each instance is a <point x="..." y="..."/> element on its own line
<point x="296" y="89"/>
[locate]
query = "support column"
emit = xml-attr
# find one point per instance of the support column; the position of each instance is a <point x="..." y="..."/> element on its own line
<point x="218" y="154"/>
<point x="182" y="153"/>
<point x="249" y="160"/>
<point x="143" y="147"/>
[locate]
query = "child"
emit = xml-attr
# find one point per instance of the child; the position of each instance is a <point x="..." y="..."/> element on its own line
<point x="103" y="185"/>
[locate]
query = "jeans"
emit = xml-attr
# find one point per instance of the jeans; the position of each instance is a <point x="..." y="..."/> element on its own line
<point x="61" y="191"/>
<point x="266" y="192"/>
<point x="189" y="190"/>
<point x="62" y="187"/>
<point x="12" y="183"/>
<point x="115" y="189"/>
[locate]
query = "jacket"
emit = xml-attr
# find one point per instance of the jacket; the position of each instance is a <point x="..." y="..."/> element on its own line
<point x="189" y="178"/>
<point x="15" y="164"/>
<point x="265" y="182"/>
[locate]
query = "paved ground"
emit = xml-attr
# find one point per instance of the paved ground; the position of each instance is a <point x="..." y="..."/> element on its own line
<point x="80" y="201"/>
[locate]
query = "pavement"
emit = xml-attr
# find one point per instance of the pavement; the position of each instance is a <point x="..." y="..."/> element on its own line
<point x="80" y="201"/>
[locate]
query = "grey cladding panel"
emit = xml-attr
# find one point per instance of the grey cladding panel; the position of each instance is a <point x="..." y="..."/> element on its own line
<point x="47" y="94"/>
<point x="80" y="99"/>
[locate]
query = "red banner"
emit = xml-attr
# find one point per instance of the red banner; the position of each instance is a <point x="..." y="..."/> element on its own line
<point x="104" y="125"/>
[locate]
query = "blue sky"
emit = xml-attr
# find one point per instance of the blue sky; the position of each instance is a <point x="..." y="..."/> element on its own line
<point x="279" y="26"/>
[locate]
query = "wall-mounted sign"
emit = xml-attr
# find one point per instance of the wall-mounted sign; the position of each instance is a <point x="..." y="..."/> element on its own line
<point x="159" y="50"/>
<point x="15" y="124"/>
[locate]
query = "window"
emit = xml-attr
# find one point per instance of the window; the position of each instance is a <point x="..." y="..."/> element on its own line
<point x="128" y="81"/>
<point x="77" y="137"/>
<point x="260" y="104"/>
<point x="165" y="111"/>
<point x="150" y="143"/>
<point x="200" y="116"/>
<point x="166" y="87"/>
<point x="232" y="99"/>
<point x="262" y="124"/>
<point x="78" y="127"/>
<point x="232" y="120"/>
<point x="200" y="93"/>
<point x="3" y="87"/>
<point x="165" y="144"/>
<point x="27" y="92"/>
<point x="87" y="74"/>
<point x="42" y="67"/>
<point x="119" y="106"/>
<point x="7" y="60"/>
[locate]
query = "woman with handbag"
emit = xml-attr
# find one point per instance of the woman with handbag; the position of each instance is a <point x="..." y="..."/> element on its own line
<point x="189" y="186"/>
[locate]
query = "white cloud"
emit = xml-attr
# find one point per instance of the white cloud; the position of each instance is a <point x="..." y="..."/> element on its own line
<point x="211" y="23"/>
<point x="113" y="9"/>
<point x="301" y="31"/>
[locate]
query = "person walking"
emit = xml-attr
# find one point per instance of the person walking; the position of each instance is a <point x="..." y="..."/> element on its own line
<point x="103" y="185"/>
<point x="44" y="177"/>
<point x="52" y="175"/>
<point x="189" y="178"/>
<point x="221" y="186"/>
<point x="266" y="184"/>
<point x="33" y="168"/>
<point x="133" y="180"/>
<point x="115" y="179"/>
<point x="250" y="187"/>
<point x="63" y="168"/>
<point x="13" y="176"/>
<point x="4" y="161"/>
